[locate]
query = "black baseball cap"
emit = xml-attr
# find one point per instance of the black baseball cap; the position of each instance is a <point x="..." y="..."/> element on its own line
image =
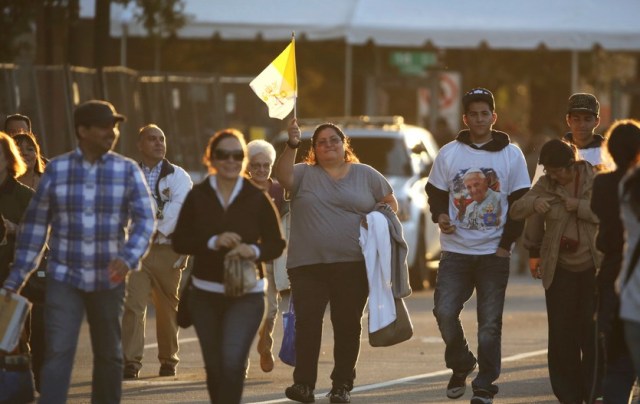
<point x="478" y="94"/>
<point x="96" y="112"/>
<point x="584" y="102"/>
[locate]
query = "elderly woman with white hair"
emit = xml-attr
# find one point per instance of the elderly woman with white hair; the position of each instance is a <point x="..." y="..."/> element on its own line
<point x="262" y="155"/>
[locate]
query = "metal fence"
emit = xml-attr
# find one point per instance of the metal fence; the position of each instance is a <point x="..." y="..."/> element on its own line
<point x="189" y="108"/>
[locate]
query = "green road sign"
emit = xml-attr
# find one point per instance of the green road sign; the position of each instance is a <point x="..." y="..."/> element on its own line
<point x="412" y="62"/>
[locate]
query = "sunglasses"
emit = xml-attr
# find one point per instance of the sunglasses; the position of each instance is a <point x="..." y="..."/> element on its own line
<point x="221" y="154"/>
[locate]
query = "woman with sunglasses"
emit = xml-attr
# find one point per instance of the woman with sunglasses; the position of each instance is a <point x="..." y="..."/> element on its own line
<point x="567" y="265"/>
<point x="226" y="215"/>
<point x="330" y="193"/>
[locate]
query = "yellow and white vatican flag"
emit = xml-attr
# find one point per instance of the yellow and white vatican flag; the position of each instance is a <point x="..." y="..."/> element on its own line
<point x="277" y="85"/>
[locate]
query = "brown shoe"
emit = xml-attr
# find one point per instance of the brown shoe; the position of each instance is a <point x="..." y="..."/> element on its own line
<point x="167" y="370"/>
<point x="266" y="362"/>
<point x="130" y="372"/>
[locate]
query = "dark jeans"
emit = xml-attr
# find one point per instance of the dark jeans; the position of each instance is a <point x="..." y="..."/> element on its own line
<point x="458" y="276"/>
<point x="37" y="341"/>
<point x="345" y="287"/>
<point x="570" y="307"/>
<point x="632" y="335"/>
<point x="64" y="311"/>
<point x="226" y="327"/>
<point x="618" y="374"/>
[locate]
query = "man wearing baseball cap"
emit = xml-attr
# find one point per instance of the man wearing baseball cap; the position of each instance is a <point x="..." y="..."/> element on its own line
<point x="93" y="209"/>
<point x="583" y="117"/>
<point x="476" y="238"/>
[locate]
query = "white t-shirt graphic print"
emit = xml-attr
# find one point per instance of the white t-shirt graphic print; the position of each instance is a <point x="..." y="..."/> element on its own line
<point x="478" y="183"/>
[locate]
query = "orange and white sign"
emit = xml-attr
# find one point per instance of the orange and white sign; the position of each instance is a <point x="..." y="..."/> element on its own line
<point x="449" y="100"/>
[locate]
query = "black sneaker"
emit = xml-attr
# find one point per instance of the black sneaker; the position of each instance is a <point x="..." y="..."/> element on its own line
<point x="339" y="394"/>
<point x="482" y="397"/>
<point x="300" y="392"/>
<point x="458" y="383"/>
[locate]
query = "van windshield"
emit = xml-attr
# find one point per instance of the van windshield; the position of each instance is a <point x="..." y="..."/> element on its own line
<point x="387" y="155"/>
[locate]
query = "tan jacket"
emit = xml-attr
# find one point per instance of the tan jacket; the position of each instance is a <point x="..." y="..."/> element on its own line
<point x="556" y="219"/>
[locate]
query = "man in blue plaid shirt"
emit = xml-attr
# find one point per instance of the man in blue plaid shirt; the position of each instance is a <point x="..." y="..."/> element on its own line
<point x="95" y="209"/>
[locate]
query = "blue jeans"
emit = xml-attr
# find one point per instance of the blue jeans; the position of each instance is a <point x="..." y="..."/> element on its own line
<point x="63" y="313"/>
<point x="458" y="276"/>
<point x="632" y="335"/>
<point x="226" y="327"/>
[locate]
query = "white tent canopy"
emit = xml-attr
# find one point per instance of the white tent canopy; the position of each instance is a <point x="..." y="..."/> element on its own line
<point x="505" y="24"/>
<point x="250" y="19"/>
<point x="501" y="24"/>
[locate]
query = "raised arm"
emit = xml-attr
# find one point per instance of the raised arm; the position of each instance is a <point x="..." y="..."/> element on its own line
<point x="284" y="166"/>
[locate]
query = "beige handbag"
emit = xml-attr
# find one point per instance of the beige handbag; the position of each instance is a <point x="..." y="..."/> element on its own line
<point x="240" y="276"/>
<point x="280" y="264"/>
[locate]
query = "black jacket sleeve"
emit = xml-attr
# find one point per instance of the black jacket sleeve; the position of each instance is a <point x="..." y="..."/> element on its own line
<point x="605" y="204"/>
<point x="512" y="228"/>
<point x="438" y="201"/>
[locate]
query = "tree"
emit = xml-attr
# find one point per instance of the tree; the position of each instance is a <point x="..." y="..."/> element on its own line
<point x="17" y="18"/>
<point x="160" y="18"/>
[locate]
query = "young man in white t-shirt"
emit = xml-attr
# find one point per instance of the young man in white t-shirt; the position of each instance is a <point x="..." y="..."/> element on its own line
<point x="475" y="248"/>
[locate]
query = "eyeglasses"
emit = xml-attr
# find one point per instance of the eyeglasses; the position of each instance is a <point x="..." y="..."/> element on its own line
<point x="221" y="154"/>
<point x="258" y="166"/>
<point x="478" y="91"/>
<point x="331" y="141"/>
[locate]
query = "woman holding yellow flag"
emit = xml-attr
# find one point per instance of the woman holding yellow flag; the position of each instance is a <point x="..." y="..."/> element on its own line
<point x="330" y="193"/>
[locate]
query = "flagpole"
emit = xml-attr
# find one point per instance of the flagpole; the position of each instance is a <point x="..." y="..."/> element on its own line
<point x="295" y="97"/>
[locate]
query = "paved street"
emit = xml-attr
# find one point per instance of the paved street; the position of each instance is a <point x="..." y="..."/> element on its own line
<point x="411" y="372"/>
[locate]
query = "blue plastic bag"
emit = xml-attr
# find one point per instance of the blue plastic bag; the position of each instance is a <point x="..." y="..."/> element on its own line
<point x="288" y="349"/>
<point x="16" y="384"/>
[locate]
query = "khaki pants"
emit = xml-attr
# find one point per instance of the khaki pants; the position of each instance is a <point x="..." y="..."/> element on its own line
<point x="159" y="280"/>
<point x="265" y="334"/>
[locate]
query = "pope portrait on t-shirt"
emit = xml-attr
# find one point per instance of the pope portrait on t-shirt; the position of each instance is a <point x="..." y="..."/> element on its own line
<point x="477" y="200"/>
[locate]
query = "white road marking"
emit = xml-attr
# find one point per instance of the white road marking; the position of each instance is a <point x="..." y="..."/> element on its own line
<point x="367" y="387"/>
<point x="180" y="342"/>
<point x="374" y="386"/>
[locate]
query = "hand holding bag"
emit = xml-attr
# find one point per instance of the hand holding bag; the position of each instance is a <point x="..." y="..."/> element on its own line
<point x="288" y="349"/>
<point x="240" y="275"/>
<point x="396" y="332"/>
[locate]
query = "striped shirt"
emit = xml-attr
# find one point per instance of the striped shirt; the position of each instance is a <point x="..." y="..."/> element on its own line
<point x="90" y="214"/>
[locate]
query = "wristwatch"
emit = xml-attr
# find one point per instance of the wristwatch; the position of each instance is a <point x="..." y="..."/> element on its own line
<point x="293" y="146"/>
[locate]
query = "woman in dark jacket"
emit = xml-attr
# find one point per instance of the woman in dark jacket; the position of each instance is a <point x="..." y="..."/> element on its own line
<point x="14" y="198"/>
<point x="623" y="144"/>
<point x="226" y="215"/>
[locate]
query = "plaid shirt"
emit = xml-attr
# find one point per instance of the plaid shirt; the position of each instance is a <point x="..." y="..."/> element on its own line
<point x="152" y="175"/>
<point x="92" y="214"/>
